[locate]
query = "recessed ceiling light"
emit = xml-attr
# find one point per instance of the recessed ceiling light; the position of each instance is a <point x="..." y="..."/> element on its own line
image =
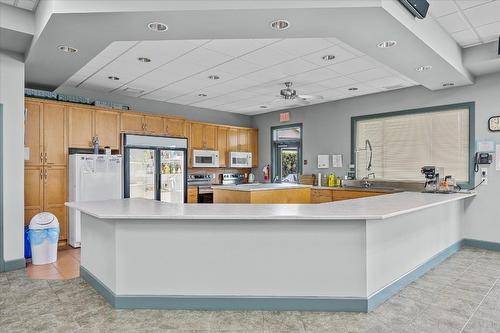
<point x="202" y="95"/>
<point x="263" y="106"/>
<point x="113" y="78"/>
<point x="144" y="59"/>
<point x="328" y="57"/>
<point x="423" y="68"/>
<point x="448" y="84"/>
<point x="386" y="44"/>
<point x="157" y="26"/>
<point x="67" y="49"/>
<point x="280" y="24"/>
<point x="214" y="77"/>
<point x="352" y="89"/>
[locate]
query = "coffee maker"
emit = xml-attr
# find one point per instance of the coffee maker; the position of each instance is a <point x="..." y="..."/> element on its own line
<point x="433" y="176"/>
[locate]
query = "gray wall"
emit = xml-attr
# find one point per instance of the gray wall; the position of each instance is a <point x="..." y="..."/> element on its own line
<point x="145" y="105"/>
<point x="327" y="129"/>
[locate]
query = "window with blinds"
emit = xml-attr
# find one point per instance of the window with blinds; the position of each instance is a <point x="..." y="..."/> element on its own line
<point x="404" y="142"/>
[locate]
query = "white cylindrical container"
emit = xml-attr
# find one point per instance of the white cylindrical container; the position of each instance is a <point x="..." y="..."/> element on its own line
<point x="43" y="235"/>
<point x="319" y="178"/>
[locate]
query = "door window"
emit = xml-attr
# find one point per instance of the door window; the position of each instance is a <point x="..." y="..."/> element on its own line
<point x="287" y="153"/>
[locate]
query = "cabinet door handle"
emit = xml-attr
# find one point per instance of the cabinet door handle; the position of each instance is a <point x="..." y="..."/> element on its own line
<point x="45" y="156"/>
<point x="46" y="174"/>
<point x="41" y="173"/>
<point x="41" y="157"/>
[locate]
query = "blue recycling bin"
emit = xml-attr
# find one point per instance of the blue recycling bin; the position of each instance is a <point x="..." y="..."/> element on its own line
<point x="27" y="245"/>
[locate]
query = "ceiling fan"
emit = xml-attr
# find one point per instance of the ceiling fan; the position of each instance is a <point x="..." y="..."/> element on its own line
<point x="291" y="94"/>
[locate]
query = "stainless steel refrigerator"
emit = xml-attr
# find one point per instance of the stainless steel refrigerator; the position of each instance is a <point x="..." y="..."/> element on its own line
<point x="155" y="167"/>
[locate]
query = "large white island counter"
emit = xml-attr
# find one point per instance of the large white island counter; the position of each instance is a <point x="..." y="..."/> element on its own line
<point x="341" y="256"/>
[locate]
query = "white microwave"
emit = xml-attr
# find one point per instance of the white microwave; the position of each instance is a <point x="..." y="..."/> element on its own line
<point x="240" y="160"/>
<point x="205" y="159"/>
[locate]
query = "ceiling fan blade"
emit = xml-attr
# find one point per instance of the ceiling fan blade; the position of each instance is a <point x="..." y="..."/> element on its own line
<point x="310" y="96"/>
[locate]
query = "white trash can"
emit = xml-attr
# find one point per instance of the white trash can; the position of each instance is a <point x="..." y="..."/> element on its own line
<point x="43" y="235"/>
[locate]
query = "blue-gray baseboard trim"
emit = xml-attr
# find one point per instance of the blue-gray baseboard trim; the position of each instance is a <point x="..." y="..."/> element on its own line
<point x="481" y="244"/>
<point x="219" y="303"/>
<point x="12" y="265"/>
<point x="387" y="292"/>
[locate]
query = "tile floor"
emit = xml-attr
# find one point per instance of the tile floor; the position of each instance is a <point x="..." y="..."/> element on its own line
<point x="460" y="295"/>
<point x="66" y="267"/>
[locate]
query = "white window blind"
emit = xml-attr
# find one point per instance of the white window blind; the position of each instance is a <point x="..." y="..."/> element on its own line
<point x="402" y="144"/>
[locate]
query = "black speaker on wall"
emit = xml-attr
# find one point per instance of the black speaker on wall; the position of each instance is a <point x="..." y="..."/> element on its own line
<point x="418" y="8"/>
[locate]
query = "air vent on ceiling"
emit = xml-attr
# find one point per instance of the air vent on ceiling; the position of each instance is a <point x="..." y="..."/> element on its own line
<point x="418" y="8"/>
<point x="396" y="86"/>
<point x="131" y="91"/>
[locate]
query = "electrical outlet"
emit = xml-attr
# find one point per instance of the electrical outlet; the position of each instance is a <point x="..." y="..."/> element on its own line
<point x="484" y="176"/>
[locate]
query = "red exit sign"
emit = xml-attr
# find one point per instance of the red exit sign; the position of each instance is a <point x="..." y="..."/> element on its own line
<point x="284" y="116"/>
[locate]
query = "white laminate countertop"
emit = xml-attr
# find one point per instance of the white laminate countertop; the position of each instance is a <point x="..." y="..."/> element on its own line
<point x="260" y="187"/>
<point x="371" y="208"/>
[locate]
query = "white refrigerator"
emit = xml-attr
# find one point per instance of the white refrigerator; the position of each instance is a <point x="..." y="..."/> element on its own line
<point x="91" y="178"/>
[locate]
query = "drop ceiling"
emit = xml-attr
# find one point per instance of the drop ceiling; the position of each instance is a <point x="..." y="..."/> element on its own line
<point x="251" y="72"/>
<point x="469" y="22"/>
<point x="24" y="4"/>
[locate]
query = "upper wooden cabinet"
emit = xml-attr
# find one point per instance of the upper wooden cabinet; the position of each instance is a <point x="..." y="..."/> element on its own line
<point x="203" y="136"/>
<point x="232" y="140"/>
<point x="107" y="128"/>
<point x="239" y="139"/>
<point x="222" y="146"/>
<point x="154" y="125"/>
<point x="85" y="123"/>
<point x="132" y="122"/>
<point x="175" y="126"/>
<point x="45" y="134"/>
<point x="80" y="129"/>
<point x="254" y="146"/>
<point x="243" y="140"/>
<point x="33" y="129"/>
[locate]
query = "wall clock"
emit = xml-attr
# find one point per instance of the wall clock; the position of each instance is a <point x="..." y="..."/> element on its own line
<point x="494" y="124"/>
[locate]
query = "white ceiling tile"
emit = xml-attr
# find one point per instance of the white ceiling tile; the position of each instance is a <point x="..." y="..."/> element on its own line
<point x="309" y="89"/>
<point x="466" y="38"/>
<point x="371" y="74"/>
<point x="362" y="90"/>
<point x="267" y="56"/>
<point x="387" y="83"/>
<point x="206" y="57"/>
<point x="464" y="4"/>
<point x="333" y="40"/>
<point x="187" y="99"/>
<point x="160" y="51"/>
<point x="337" y="82"/>
<point x="484" y="14"/>
<point x="209" y="103"/>
<point x="238" y="67"/>
<point x="439" y="8"/>
<point x="353" y="65"/>
<point x="183" y="68"/>
<point x="8" y="2"/>
<point x="162" y="94"/>
<point x="265" y="75"/>
<point x="223" y="77"/>
<point x="294" y="66"/>
<point x="266" y="41"/>
<point x="316" y="75"/>
<point x="340" y="55"/>
<point x="233" y="47"/>
<point x="332" y="94"/>
<point x="302" y="46"/>
<point x="241" y="83"/>
<point x="27" y="4"/>
<point x="453" y="23"/>
<point x="351" y="49"/>
<point x="489" y="32"/>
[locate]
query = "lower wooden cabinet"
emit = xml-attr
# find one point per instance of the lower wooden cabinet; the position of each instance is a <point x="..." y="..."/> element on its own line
<point x="45" y="191"/>
<point x="192" y="194"/>
<point x="319" y="195"/>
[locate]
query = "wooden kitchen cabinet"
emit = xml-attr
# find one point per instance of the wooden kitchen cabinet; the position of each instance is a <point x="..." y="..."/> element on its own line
<point x="243" y="140"/>
<point x="33" y="137"/>
<point x="232" y="140"/>
<point x="33" y="192"/>
<point x="54" y="134"/>
<point x="154" y="125"/>
<point x="254" y="146"/>
<point x="321" y="195"/>
<point x="107" y="128"/>
<point x="203" y="136"/>
<point x="192" y="194"/>
<point x="222" y="146"/>
<point x="80" y="127"/>
<point x="132" y="123"/>
<point x="174" y="126"/>
<point x="338" y="195"/>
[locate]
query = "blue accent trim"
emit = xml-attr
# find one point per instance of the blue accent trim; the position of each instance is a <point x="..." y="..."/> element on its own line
<point x="394" y="288"/>
<point x="482" y="244"/>
<point x="12" y="265"/>
<point x="219" y="303"/>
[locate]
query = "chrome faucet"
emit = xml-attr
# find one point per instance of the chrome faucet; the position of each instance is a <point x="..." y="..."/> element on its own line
<point x="365" y="179"/>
